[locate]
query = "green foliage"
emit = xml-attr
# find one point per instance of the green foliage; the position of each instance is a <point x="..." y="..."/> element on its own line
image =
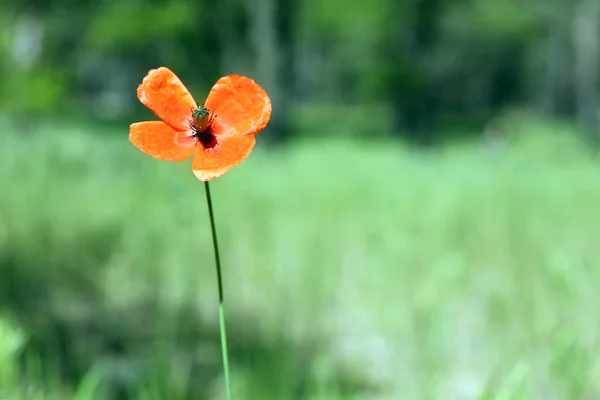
<point x="359" y="121"/>
<point x="342" y="52"/>
<point x="347" y="19"/>
<point x="126" y="24"/>
<point x="11" y="343"/>
<point x="504" y="20"/>
<point x="35" y="91"/>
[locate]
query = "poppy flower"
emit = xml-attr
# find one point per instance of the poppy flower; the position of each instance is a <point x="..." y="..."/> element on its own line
<point x="219" y="133"/>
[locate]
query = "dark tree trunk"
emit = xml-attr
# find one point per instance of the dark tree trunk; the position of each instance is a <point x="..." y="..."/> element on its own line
<point x="286" y="17"/>
<point x="273" y="35"/>
<point x="506" y="80"/>
<point x="586" y="31"/>
<point x="224" y="27"/>
<point x="555" y="99"/>
<point x="230" y="26"/>
<point x="414" y="90"/>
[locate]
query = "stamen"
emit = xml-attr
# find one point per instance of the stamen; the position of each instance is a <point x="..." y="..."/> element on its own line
<point x="201" y="126"/>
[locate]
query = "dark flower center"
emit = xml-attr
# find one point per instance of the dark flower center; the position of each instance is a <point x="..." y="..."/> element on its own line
<point x="205" y="137"/>
<point x="201" y="125"/>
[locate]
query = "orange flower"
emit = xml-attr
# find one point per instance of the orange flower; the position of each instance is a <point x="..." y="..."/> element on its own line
<point x="220" y="133"/>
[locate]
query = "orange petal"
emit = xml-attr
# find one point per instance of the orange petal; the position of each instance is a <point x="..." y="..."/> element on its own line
<point x="160" y="141"/>
<point x="210" y="163"/>
<point x="242" y="105"/>
<point x="163" y="93"/>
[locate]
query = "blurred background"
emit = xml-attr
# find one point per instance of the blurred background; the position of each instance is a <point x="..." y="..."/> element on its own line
<point x="418" y="221"/>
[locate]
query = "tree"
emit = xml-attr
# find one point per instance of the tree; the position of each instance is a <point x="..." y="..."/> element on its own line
<point x="585" y="38"/>
<point x="273" y="29"/>
<point x="414" y="95"/>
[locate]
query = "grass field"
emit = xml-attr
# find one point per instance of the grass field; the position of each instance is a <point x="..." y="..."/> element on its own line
<point x="352" y="271"/>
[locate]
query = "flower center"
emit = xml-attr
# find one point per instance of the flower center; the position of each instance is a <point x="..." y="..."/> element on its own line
<point x="207" y="139"/>
<point x="202" y="127"/>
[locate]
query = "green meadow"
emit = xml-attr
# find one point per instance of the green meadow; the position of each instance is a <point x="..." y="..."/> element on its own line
<point x="354" y="269"/>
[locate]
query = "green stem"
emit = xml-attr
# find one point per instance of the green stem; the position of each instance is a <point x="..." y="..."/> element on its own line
<point x="220" y="284"/>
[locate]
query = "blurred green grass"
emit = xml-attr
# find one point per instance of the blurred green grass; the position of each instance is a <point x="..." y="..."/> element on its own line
<point x="353" y="270"/>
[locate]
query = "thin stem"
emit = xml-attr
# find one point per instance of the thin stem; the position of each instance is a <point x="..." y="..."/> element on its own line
<point x="221" y="297"/>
